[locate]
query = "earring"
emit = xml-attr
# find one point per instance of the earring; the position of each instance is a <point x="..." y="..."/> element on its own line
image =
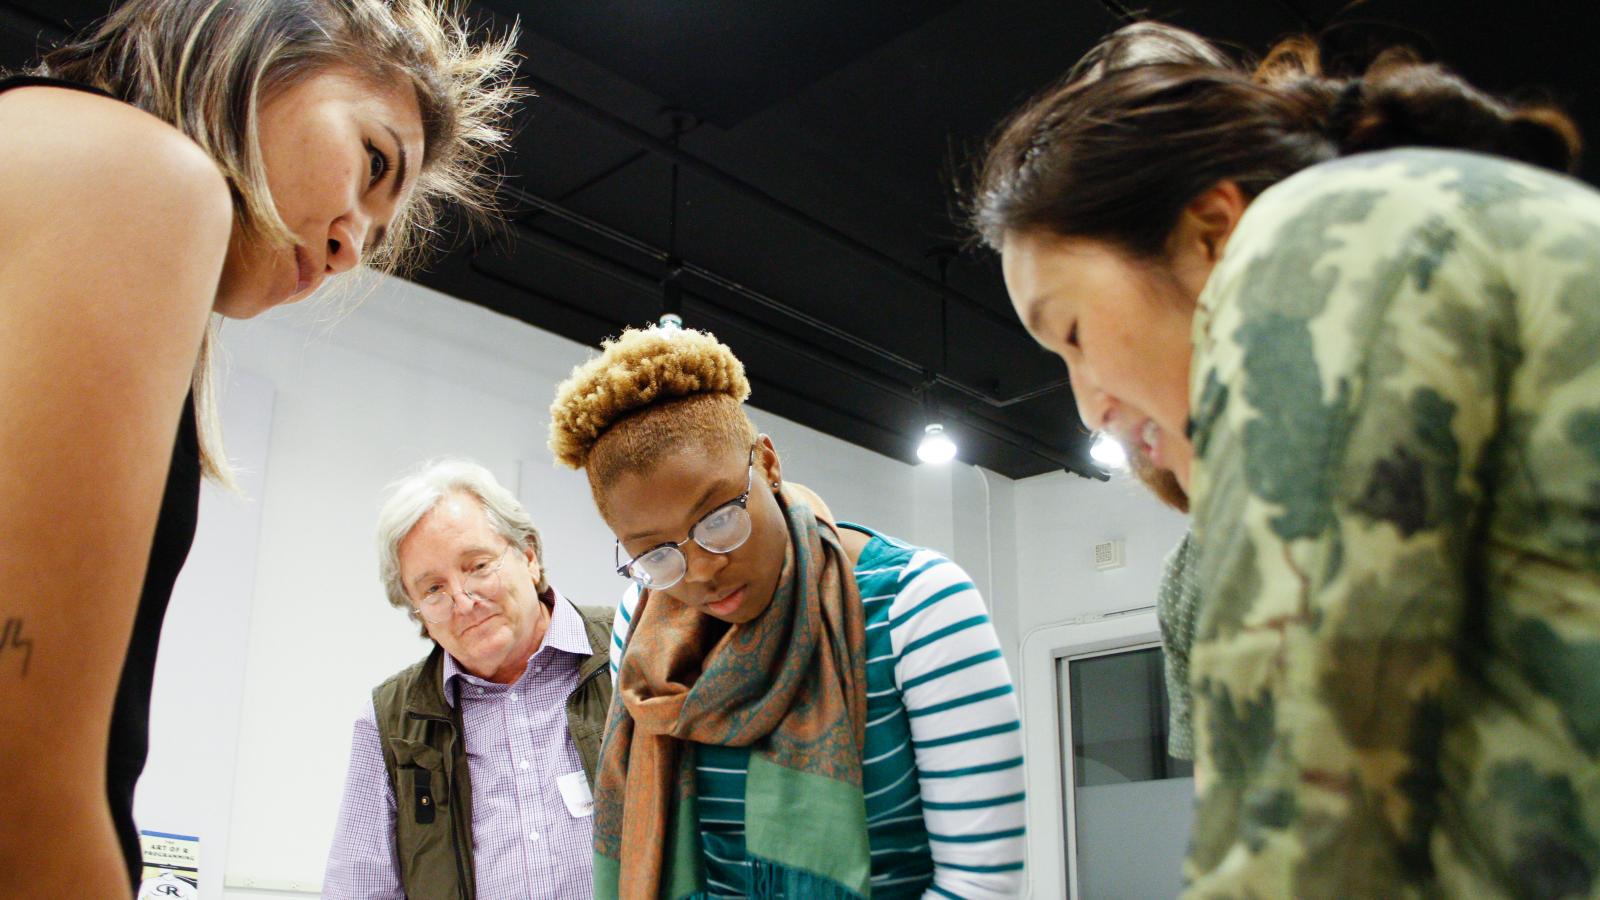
<point x="775" y="485"/>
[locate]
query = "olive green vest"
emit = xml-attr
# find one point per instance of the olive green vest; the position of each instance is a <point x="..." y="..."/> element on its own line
<point x="420" y="732"/>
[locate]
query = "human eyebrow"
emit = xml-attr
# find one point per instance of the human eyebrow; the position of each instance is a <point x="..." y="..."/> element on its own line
<point x="470" y="555"/>
<point x="707" y="494"/>
<point x="400" y="168"/>
<point x="1036" y="324"/>
<point x="1036" y="314"/>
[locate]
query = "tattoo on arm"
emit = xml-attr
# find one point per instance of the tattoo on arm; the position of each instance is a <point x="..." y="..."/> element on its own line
<point x="11" y="639"/>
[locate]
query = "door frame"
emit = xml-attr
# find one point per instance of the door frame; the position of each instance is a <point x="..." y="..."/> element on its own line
<point x="1047" y="749"/>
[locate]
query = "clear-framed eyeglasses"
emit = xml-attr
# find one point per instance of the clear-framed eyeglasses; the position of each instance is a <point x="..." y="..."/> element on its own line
<point x="722" y="530"/>
<point x="480" y="582"/>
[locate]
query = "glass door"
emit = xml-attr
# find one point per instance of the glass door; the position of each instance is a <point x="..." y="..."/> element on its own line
<point x="1129" y="802"/>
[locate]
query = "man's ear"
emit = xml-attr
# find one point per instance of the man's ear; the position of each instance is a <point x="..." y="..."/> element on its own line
<point x="535" y="568"/>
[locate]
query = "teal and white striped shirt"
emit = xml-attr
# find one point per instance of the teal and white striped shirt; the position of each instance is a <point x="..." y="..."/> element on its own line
<point x="942" y="768"/>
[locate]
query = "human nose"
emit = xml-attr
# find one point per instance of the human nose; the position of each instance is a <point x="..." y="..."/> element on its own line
<point x="346" y="239"/>
<point x="462" y="598"/>
<point x="700" y="564"/>
<point x="354" y="233"/>
<point x="1095" y="407"/>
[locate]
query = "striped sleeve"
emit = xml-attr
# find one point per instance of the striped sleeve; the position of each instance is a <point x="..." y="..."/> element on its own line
<point x="965" y="729"/>
<point x="619" y="628"/>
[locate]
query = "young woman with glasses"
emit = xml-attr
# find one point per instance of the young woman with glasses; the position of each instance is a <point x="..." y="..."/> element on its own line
<point x="805" y="707"/>
<point x="184" y="160"/>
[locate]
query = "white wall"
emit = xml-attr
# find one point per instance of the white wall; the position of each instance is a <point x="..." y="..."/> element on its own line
<point x="279" y="628"/>
<point x="969" y="514"/>
<point x="187" y="787"/>
<point x="1029" y="544"/>
<point x="1060" y="518"/>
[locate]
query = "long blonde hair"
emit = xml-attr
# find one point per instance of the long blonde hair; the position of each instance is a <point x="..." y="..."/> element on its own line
<point x="205" y="66"/>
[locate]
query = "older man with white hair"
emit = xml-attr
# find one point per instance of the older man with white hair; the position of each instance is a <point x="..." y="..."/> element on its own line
<point x="470" y="771"/>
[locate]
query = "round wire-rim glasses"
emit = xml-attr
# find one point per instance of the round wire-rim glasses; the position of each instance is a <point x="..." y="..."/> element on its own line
<point x="481" y="582"/>
<point x="722" y="530"/>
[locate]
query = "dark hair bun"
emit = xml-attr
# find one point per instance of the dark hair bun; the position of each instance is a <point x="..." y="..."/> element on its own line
<point x="1153" y="116"/>
<point x="1545" y="137"/>
<point x="1413" y="104"/>
<point x="1401" y="101"/>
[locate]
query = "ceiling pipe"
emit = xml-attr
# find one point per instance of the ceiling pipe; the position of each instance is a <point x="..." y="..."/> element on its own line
<point x="612" y="324"/>
<point x="644" y="248"/>
<point x="549" y="91"/>
<point x="644" y="284"/>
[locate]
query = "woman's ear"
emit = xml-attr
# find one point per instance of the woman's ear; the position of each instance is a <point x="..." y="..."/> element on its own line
<point x="1201" y="234"/>
<point x="1209" y="219"/>
<point x="767" y="461"/>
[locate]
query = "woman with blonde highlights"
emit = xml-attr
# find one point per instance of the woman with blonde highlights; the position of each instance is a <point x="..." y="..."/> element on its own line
<point x="184" y="160"/>
<point x="1358" y="319"/>
<point x="804" y="707"/>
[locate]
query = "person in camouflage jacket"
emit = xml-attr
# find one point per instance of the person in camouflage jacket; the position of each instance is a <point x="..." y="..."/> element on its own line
<point x="1377" y="373"/>
<point x="1396" y="418"/>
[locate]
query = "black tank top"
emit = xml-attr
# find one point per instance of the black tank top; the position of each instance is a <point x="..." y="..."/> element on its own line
<point x="180" y="506"/>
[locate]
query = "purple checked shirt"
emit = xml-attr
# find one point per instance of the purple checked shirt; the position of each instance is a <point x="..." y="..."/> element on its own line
<point x="526" y="843"/>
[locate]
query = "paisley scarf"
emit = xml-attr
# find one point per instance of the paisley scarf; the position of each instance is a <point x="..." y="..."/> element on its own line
<point x="790" y="685"/>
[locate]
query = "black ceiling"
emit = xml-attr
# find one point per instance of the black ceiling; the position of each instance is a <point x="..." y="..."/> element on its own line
<point x="819" y="147"/>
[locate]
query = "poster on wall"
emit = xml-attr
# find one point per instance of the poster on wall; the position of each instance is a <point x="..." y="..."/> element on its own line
<point x="171" y="866"/>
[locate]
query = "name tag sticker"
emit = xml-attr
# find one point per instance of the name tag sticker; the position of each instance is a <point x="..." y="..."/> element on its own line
<point x="575" y="790"/>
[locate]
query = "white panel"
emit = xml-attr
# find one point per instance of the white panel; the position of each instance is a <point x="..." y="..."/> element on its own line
<point x="187" y="786"/>
<point x="860" y="486"/>
<point x="1060" y="518"/>
<point x="577" y="543"/>
<point x="1139" y="834"/>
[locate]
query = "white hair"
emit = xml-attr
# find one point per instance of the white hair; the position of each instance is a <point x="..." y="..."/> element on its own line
<point x="417" y="493"/>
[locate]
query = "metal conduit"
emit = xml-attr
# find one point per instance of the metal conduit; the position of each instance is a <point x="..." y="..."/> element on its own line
<point x="645" y="139"/>
<point x="644" y="248"/>
<point x="631" y="278"/>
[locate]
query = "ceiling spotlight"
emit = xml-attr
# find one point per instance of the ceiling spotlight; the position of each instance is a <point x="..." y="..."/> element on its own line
<point x="670" y="322"/>
<point x="1108" y="452"/>
<point x="936" y="446"/>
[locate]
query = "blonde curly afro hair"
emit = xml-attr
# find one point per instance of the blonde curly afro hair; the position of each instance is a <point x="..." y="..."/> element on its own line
<point x="650" y="391"/>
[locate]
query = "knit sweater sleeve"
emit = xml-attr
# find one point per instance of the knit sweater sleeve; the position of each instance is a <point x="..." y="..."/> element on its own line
<point x="619" y="628"/>
<point x="1177" y="600"/>
<point x="965" y="730"/>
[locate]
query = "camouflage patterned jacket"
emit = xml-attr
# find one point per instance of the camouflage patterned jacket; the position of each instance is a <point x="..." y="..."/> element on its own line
<point x="1396" y="415"/>
<point x="1177" y="603"/>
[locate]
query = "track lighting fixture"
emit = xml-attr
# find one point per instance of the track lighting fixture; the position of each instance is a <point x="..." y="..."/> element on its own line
<point x="1108" y="451"/>
<point x="936" y="446"/>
